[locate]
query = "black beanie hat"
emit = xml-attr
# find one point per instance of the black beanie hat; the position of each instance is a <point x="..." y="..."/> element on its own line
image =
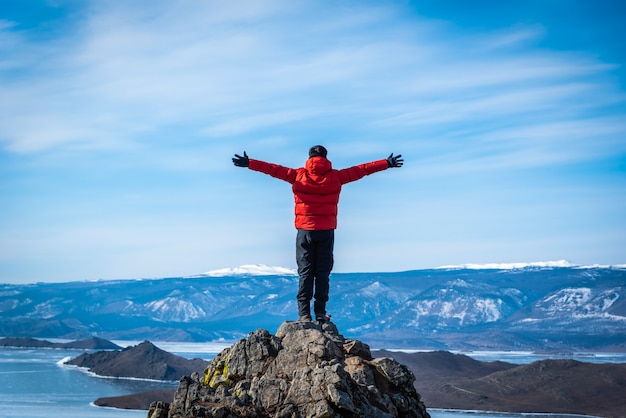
<point x="317" y="151"/>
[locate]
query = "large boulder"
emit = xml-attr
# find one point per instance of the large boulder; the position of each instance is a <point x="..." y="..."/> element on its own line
<point x="306" y="370"/>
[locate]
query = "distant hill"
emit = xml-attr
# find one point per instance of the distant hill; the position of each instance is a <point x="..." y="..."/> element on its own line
<point x="92" y="343"/>
<point x="543" y="307"/>
<point x="438" y="365"/>
<point x="447" y="380"/>
<point x="144" y="360"/>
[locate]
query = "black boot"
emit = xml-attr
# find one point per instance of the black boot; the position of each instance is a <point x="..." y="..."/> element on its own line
<point x="304" y="312"/>
<point x="320" y="311"/>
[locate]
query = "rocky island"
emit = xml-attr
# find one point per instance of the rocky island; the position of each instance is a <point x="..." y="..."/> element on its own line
<point x="144" y="360"/>
<point x="93" y="343"/>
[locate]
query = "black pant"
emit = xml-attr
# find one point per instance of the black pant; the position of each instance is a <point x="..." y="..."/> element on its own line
<point x="314" y="254"/>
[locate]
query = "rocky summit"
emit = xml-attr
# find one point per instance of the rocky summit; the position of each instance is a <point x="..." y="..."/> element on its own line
<point x="306" y="370"/>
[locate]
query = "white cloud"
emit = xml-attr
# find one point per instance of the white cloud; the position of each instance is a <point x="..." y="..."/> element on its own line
<point x="224" y="70"/>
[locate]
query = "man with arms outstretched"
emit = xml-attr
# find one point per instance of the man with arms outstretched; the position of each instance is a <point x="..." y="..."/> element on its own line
<point x="316" y="188"/>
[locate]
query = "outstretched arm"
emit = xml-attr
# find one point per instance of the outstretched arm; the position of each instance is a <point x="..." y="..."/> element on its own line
<point x="357" y="172"/>
<point x="274" y="170"/>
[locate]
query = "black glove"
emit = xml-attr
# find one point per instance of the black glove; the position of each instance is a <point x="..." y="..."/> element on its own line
<point x="240" y="161"/>
<point x="396" y="161"/>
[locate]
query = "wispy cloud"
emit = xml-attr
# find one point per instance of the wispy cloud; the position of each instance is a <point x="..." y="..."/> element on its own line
<point x="124" y="70"/>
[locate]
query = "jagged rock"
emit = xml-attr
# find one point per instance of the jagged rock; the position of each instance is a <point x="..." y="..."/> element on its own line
<point x="158" y="409"/>
<point x="306" y="370"/>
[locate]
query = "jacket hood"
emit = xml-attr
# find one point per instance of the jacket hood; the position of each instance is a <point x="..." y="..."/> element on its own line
<point x="318" y="166"/>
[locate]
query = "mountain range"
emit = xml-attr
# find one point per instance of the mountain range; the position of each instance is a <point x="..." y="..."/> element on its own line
<point x="542" y="306"/>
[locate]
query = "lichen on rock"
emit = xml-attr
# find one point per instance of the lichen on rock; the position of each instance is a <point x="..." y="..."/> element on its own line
<point x="306" y="370"/>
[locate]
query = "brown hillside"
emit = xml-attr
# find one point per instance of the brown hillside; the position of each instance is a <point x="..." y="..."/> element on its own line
<point x="456" y="381"/>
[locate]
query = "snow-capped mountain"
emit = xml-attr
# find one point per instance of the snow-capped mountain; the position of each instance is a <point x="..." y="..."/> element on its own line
<point x="251" y="270"/>
<point x="530" y="306"/>
<point x="511" y="266"/>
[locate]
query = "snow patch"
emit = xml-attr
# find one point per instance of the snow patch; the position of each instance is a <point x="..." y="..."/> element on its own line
<point x="569" y="298"/>
<point x="509" y="266"/>
<point x="173" y="309"/>
<point x="467" y="311"/>
<point x="373" y="290"/>
<point x="252" y="270"/>
<point x="604" y="266"/>
<point x="459" y="283"/>
<point x="581" y="303"/>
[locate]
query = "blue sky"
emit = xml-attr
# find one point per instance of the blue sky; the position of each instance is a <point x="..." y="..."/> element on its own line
<point x="118" y="121"/>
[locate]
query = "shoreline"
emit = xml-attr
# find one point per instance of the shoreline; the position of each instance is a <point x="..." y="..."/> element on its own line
<point x="129" y="402"/>
<point x="526" y="414"/>
<point x="137" y="401"/>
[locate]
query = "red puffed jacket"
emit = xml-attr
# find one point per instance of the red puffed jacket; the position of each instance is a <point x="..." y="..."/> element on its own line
<point x="316" y="188"/>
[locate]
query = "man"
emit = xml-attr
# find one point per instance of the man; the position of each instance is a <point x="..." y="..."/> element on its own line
<point x="316" y="188"/>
